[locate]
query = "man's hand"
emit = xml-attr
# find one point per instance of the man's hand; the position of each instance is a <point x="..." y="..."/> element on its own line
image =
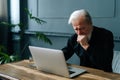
<point x="83" y="41"/>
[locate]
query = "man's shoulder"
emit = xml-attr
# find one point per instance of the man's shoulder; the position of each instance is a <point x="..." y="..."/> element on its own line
<point x="73" y="38"/>
<point x="74" y="35"/>
<point x="103" y="31"/>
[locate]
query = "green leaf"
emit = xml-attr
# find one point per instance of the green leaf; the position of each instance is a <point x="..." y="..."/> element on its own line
<point x="38" y="20"/>
<point x="8" y="24"/>
<point x="5" y="58"/>
<point x="43" y="37"/>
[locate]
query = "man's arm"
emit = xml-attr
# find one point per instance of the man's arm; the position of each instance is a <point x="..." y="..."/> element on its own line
<point x="68" y="50"/>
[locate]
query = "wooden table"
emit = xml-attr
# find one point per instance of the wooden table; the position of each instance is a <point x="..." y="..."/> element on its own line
<point x="24" y="71"/>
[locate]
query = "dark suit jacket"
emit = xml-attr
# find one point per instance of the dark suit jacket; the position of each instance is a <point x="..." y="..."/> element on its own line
<point x="99" y="54"/>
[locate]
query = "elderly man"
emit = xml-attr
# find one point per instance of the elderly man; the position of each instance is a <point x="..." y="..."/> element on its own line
<point x="92" y="44"/>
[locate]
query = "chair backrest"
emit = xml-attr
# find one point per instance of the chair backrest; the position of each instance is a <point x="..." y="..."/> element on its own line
<point x="116" y="62"/>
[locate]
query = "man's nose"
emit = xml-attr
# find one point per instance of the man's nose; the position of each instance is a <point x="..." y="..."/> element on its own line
<point x="79" y="32"/>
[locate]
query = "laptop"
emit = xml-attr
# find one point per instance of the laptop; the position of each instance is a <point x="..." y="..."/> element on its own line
<point x="53" y="61"/>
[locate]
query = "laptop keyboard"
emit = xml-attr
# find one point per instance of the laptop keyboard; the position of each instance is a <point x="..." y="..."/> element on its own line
<point x="71" y="72"/>
<point x="69" y="68"/>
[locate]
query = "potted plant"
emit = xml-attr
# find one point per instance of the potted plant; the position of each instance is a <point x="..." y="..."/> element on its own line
<point x="4" y="57"/>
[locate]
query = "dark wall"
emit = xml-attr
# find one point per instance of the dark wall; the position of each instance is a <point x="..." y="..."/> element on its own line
<point x="5" y="33"/>
<point x="4" y="30"/>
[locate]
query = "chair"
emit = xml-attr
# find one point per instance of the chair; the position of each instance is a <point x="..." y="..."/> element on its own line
<point x="116" y="62"/>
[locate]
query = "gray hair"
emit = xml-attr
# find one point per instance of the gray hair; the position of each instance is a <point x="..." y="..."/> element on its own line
<point x="76" y="14"/>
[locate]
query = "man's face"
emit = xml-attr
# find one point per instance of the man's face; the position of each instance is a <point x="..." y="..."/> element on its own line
<point x="81" y="27"/>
